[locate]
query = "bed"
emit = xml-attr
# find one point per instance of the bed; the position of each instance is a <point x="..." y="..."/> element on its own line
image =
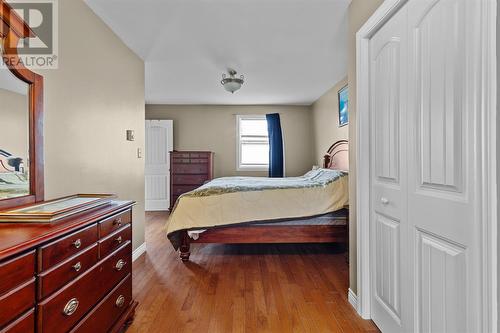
<point x="232" y="210"/>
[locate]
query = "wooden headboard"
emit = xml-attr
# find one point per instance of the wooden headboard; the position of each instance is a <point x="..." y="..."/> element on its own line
<point x="337" y="156"/>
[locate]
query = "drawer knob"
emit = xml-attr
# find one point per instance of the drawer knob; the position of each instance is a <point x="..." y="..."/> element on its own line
<point x="120" y="301"/>
<point x="77" y="243"/>
<point x="384" y="201"/>
<point x="120" y="264"/>
<point x="77" y="266"/>
<point x="118" y="221"/>
<point x="71" y="307"/>
<point x="119" y="239"/>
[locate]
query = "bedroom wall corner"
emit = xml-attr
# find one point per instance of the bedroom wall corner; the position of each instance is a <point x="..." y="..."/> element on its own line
<point x="95" y="95"/>
<point x="359" y="12"/>
<point x="325" y="121"/>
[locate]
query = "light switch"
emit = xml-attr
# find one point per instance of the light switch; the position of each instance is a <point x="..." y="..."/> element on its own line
<point x="139" y="153"/>
<point x="130" y="135"/>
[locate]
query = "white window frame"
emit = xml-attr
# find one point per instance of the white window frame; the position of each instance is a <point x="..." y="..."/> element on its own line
<point x="243" y="167"/>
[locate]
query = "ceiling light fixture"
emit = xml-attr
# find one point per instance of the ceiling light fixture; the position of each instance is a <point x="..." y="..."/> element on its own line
<point x="232" y="83"/>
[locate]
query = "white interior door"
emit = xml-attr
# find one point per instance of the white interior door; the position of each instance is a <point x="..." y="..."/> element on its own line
<point x="445" y="164"/>
<point x="391" y="301"/>
<point x="159" y="143"/>
<point x="425" y="169"/>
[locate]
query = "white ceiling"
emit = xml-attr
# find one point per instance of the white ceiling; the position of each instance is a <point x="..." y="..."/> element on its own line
<point x="290" y="51"/>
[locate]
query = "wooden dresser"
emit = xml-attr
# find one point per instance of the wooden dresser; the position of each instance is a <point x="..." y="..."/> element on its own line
<point x="73" y="275"/>
<point x="189" y="170"/>
<point x="74" y="272"/>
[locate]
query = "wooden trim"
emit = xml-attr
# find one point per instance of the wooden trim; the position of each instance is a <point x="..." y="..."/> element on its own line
<point x="18" y="29"/>
<point x="137" y="253"/>
<point x="15" y="23"/>
<point x="353" y="299"/>
<point x="275" y="234"/>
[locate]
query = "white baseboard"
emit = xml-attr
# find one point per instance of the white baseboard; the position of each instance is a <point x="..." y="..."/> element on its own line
<point x="139" y="252"/>
<point x="353" y="299"/>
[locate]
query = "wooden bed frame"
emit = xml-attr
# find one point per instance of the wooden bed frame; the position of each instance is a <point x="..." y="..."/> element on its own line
<point x="337" y="157"/>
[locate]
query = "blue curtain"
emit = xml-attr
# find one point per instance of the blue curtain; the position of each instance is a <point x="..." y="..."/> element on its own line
<point x="275" y="145"/>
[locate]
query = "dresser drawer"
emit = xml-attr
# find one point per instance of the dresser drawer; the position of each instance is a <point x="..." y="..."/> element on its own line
<point x="104" y="315"/>
<point x="58" y="276"/>
<point x="189" y="179"/>
<point x="199" y="161"/>
<point x="16" y="271"/>
<point x="64" y="309"/>
<point x="23" y="324"/>
<point x="180" y="155"/>
<point x="191" y="169"/>
<point x="181" y="189"/>
<point x="16" y="302"/>
<point x="68" y="246"/>
<point x="113" y="223"/>
<point x="115" y="240"/>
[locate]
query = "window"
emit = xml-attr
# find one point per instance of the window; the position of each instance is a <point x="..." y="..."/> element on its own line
<point x="253" y="143"/>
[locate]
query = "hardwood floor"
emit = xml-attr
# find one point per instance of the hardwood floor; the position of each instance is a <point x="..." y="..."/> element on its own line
<point x="241" y="288"/>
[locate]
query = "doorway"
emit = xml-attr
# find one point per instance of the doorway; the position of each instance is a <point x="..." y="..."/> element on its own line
<point x="159" y="144"/>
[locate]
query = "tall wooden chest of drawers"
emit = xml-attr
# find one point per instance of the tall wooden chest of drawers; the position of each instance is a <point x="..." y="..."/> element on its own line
<point x="74" y="275"/>
<point x="189" y="170"/>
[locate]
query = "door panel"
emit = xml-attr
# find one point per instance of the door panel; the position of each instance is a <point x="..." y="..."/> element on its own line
<point x="440" y="62"/>
<point x="441" y="279"/>
<point x="388" y="236"/>
<point x="425" y="166"/>
<point x="387" y="290"/>
<point x="387" y="67"/>
<point x="442" y="171"/>
<point x="159" y="143"/>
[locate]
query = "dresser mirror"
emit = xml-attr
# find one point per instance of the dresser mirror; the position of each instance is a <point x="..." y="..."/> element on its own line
<point x="14" y="136"/>
<point x="21" y="118"/>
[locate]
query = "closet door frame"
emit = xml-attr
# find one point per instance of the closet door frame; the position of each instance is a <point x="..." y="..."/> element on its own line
<point x="487" y="90"/>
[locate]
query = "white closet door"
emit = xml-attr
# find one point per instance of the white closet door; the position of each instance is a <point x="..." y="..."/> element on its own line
<point x="391" y="289"/>
<point x="444" y="172"/>
<point x="159" y="142"/>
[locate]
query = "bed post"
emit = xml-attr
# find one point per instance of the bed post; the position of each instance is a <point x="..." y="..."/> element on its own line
<point x="184" y="248"/>
<point x="326" y="161"/>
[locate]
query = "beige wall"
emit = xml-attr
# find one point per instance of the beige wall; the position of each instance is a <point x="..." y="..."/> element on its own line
<point x="213" y="128"/>
<point x="325" y="113"/>
<point x="15" y="127"/>
<point x="359" y="12"/>
<point x="95" y="95"/>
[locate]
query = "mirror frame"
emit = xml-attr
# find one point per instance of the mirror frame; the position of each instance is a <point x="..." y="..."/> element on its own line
<point x="12" y="29"/>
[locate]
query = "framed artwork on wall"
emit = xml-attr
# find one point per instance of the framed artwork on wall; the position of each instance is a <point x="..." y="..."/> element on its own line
<point x="343" y="106"/>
